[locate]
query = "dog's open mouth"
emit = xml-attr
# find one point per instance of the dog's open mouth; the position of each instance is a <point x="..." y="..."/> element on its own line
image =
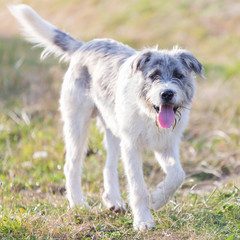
<point x="166" y="115"/>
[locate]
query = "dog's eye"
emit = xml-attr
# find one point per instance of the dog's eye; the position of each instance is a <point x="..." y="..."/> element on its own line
<point x="178" y="75"/>
<point x="155" y="75"/>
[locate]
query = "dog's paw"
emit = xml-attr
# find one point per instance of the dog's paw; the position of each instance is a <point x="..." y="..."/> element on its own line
<point x="143" y="225"/>
<point x="114" y="204"/>
<point x="157" y="200"/>
<point x="82" y="204"/>
<point x="118" y="209"/>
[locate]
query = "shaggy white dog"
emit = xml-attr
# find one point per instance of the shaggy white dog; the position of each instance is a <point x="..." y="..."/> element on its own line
<point x="142" y="99"/>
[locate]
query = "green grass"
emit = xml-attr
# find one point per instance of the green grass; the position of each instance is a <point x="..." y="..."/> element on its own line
<point x="32" y="184"/>
<point x="33" y="205"/>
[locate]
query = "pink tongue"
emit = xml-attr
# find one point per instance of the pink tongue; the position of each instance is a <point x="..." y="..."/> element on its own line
<point x="166" y="116"/>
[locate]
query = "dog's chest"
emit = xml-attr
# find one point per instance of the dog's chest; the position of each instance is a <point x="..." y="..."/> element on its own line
<point x="153" y="138"/>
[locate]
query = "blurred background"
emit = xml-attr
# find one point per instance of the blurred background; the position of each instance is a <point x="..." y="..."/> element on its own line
<point x="209" y="29"/>
<point x="31" y="145"/>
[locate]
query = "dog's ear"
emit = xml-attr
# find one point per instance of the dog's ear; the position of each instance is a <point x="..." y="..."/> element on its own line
<point x="140" y="61"/>
<point x="190" y="62"/>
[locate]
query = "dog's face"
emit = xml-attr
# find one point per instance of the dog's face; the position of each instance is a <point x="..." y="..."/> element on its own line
<point x="166" y="81"/>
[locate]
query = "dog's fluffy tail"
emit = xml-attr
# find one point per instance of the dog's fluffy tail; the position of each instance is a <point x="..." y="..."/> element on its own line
<point x="44" y="34"/>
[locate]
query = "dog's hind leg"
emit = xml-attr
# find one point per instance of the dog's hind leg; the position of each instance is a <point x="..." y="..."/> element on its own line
<point x="175" y="176"/>
<point x="76" y="109"/>
<point x="112" y="196"/>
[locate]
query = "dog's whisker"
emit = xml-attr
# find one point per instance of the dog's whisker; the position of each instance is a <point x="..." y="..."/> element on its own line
<point x="185" y="107"/>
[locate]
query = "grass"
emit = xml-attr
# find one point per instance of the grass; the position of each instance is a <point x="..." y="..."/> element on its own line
<point x="32" y="184"/>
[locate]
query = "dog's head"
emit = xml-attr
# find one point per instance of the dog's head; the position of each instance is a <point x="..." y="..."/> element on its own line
<point x="166" y="82"/>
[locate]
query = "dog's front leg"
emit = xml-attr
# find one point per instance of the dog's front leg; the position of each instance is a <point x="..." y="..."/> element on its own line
<point x="175" y="176"/>
<point x="138" y="194"/>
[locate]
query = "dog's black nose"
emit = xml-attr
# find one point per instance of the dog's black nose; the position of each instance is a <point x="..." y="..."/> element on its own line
<point x="167" y="95"/>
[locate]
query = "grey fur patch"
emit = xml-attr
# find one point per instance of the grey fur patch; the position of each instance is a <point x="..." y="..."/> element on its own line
<point x="66" y="42"/>
<point x="190" y="62"/>
<point x="105" y="56"/>
<point x="84" y="79"/>
<point x="141" y="60"/>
